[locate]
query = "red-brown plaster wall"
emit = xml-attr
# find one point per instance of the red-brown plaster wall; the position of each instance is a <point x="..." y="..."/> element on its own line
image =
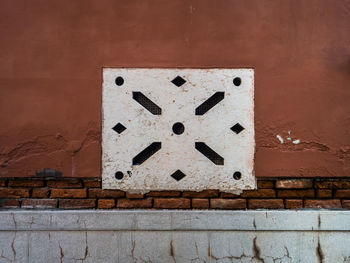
<point x="52" y="54"/>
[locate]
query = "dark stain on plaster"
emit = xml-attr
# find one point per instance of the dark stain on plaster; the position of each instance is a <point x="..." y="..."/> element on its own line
<point x="256" y="251"/>
<point x="319" y="221"/>
<point x="319" y="252"/>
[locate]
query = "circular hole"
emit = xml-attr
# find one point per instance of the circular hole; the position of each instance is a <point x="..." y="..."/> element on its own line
<point x="119" y="175"/>
<point x="237" y="81"/>
<point x="119" y="81"/>
<point x="237" y="175"/>
<point x="178" y="128"/>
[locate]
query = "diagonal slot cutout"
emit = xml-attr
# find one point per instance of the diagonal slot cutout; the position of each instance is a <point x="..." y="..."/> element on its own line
<point x="146" y="103"/>
<point x="210" y="103"/>
<point x="209" y="153"/>
<point x="146" y="153"/>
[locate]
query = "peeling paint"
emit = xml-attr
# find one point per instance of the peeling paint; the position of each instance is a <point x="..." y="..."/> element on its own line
<point x="279" y="137"/>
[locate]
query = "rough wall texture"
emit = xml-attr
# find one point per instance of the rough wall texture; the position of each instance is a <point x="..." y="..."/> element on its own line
<point x="174" y="236"/>
<point x="87" y="194"/>
<point x="52" y="54"/>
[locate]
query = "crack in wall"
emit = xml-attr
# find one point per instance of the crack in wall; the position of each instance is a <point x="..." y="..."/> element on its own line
<point x="257" y="251"/>
<point x="47" y="144"/>
<point x="172" y="252"/>
<point x="133" y="251"/>
<point x="41" y="144"/>
<point x="61" y="252"/>
<point x="319" y="252"/>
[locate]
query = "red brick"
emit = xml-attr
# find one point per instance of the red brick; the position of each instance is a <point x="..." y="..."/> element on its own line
<point x="295" y="193"/>
<point x="39" y="203"/>
<point x="263" y="184"/>
<point x="331" y="203"/>
<point x="26" y="183"/>
<point x="164" y="193"/>
<point x="228" y="195"/>
<point x="172" y="203"/>
<point x="294" y="203"/>
<point x="200" y="203"/>
<point x="346" y="204"/>
<point x="324" y="193"/>
<point x="134" y="203"/>
<point x="40" y="193"/>
<point x="202" y="194"/>
<point x="134" y="196"/>
<point x="77" y="203"/>
<point x="13" y="193"/>
<point x="92" y="184"/>
<point x="64" y="184"/>
<point x="342" y="193"/>
<point x="9" y="203"/>
<point x="260" y="193"/>
<point x="105" y="203"/>
<point x="333" y="184"/>
<point x="295" y="183"/>
<point x="2" y="183"/>
<point x="265" y="203"/>
<point x="228" y="203"/>
<point x="68" y="193"/>
<point x="104" y="193"/>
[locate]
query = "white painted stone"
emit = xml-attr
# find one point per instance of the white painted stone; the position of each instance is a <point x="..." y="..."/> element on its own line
<point x="178" y="152"/>
<point x="174" y="220"/>
<point x="174" y="236"/>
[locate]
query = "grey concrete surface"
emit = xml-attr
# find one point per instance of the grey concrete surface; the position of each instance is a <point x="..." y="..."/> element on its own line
<point x="174" y="236"/>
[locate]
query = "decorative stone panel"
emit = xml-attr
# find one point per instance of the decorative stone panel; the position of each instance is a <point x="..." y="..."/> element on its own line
<point x="178" y="129"/>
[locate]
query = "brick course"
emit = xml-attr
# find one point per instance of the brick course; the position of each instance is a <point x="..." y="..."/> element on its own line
<point x="9" y="203"/>
<point x="172" y="203"/>
<point x="295" y="193"/>
<point x="295" y="183"/>
<point x="228" y="204"/>
<point x="34" y="193"/>
<point x="64" y="184"/>
<point x="265" y="204"/>
<point x="134" y="203"/>
<point x="68" y="193"/>
<point x="332" y="203"/>
<point x="294" y="203"/>
<point x="39" y="203"/>
<point x="100" y="193"/>
<point x="105" y="203"/>
<point x="40" y="193"/>
<point x="13" y="193"/>
<point x="25" y="183"/>
<point x="164" y="194"/>
<point x="200" y="203"/>
<point x="77" y="203"/>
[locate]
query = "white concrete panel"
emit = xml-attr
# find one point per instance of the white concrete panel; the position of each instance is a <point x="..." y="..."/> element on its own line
<point x="176" y="246"/>
<point x="180" y="236"/>
<point x="159" y="134"/>
<point x="157" y="220"/>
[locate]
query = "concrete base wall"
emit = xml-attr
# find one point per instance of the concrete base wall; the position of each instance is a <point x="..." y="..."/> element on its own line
<point x="174" y="236"/>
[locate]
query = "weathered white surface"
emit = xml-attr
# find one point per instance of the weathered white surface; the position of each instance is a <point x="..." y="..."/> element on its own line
<point x="175" y="236"/>
<point x="178" y="152"/>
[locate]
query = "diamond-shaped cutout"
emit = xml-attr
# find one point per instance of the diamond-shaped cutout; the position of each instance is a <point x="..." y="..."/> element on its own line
<point x="178" y="175"/>
<point x="237" y="128"/>
<point x="119" y="128"/>
<point x="178" y="81"/>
